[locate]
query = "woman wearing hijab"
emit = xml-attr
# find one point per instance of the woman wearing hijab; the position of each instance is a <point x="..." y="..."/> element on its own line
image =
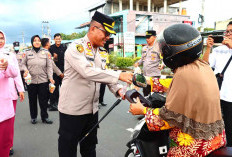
<point x="8" y="69"/>
<point x="192" y="110"/>
<point x="37" y="63"/>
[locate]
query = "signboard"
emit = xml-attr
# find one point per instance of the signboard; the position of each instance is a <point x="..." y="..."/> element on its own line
<point x="189" y="22"/>
<point x="129" y="43"/>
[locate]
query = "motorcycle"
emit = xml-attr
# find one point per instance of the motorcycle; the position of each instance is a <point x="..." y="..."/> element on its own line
<point x="145" y="143"/>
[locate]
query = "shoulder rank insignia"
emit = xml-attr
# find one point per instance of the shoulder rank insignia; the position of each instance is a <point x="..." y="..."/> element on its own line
<point x="89" y="54"/>
<point x="80" y="48"/>
<point x="102" y="52"/>
<point x="103" y="56"/>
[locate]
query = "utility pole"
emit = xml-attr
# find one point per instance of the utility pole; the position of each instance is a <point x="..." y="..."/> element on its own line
<point x="23" y="39"/>
<point x="122" y="40"/>
<point x="203" y="14"/>
<point x="45" y="25"/>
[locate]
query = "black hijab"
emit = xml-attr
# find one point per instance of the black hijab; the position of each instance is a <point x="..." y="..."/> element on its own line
<point x="32" y="39"/>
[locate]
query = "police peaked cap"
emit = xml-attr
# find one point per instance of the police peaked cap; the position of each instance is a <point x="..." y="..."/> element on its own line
<point x="150" y="33"/>
<point x="106" y="21"/>
<point x="16" y="43"/>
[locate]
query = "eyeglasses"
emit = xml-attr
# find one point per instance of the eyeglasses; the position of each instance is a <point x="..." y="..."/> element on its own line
<point x="107" y="34"/>
<point x="229" y="32"/>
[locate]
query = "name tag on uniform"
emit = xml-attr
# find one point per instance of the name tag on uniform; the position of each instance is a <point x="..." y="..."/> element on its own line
<point x="90" y="59"/>
<point x="103" y="60"/>
<point x="30" y="55"/>
<point x="6" y="53"/>
<point x="103" y="65"/>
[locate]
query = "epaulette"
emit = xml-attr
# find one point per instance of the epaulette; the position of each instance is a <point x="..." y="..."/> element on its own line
<point x="45" y="50"/>
<point x="79" y="41"/>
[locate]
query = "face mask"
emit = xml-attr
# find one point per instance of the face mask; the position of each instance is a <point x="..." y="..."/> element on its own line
<point x="16" y="48"/>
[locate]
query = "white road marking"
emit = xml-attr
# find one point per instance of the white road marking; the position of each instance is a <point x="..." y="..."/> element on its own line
<point x="130" y="129"/>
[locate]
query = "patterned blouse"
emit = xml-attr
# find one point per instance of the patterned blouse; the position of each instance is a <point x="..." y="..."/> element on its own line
<point x="182" y="144"/>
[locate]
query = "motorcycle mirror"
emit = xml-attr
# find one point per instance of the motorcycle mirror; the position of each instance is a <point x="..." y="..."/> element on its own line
<point x="139" y="80"/>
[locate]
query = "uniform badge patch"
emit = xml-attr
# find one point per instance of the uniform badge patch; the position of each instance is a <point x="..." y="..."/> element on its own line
<point x="80" y="48"/>
<point x="49" y="56"/>
<point x="89" y="46"/>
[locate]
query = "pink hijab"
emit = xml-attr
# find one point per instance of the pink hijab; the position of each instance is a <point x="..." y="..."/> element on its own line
<point x="6" y="103"/>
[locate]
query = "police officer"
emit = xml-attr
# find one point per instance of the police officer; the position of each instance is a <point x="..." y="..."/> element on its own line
<point x="19" y="56"/>
<point x="37" y="62"/>
<point x="46" y="45"/>
<point x="57" y="50"/>
<point x="84" y="71"/>
<point x="150" y="59"/>
<point x="105" y="58"/>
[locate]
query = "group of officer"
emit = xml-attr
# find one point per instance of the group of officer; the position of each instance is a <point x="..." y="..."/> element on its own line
<point x="82" y="70"/>
<point x="39" y="64"/>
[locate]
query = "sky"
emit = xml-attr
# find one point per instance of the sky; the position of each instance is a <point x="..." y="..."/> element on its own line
<point x="17" y="16"/>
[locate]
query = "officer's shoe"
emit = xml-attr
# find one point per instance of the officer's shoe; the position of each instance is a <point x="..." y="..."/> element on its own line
<point x="33" y="121"/>
<point x="53" y="108"/>
<point x="11" y="151"/>
<point x="47" y="121"/>
<point x="103" y="104"/>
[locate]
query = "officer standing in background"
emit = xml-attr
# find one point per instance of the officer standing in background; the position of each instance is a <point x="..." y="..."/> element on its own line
<point x="19" y="56"/>
<point x="79" y="94"/>
<point x="150" y="59"/>
<point x="37" y="63"/>
<point x="105" y="58"/>
<point x="57" y="50"/>
<point x="45" y="42"/>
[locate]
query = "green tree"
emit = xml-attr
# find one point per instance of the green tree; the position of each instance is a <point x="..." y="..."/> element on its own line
<point x="208" y="29"/>
<point x="73" y="35"/>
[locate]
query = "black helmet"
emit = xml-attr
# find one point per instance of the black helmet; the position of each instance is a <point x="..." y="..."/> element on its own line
<point x="180" y="44"/>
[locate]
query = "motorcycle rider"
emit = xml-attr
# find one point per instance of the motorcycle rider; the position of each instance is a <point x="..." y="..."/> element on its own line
<point x="192" y="109"/>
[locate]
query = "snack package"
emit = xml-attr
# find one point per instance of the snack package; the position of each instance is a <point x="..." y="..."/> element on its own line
<point x="156" y="86"/>
<point x="28" y="79"/>
<point x="51" y="87"/>
<point x="160" y="84"/>
<point x="137" y="70"/>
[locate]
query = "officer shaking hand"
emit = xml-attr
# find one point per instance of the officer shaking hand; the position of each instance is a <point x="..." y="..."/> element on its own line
<point x="84" y="71"/>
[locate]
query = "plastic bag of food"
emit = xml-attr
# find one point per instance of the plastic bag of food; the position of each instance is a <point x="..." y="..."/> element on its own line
<point x="51" y="87"/>
<point x="28" y="79"/>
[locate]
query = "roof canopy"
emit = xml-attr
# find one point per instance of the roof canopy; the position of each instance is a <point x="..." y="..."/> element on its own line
<point x="157" y="3"/>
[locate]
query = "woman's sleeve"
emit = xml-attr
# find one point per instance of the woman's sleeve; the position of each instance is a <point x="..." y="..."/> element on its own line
<point x="154" y="121"/>
<point x="11" y="70"/>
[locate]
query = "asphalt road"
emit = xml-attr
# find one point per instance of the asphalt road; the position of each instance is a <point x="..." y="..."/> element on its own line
<point x="40" y="140"/>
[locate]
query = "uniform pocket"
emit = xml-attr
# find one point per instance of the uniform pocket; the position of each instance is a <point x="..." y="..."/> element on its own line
<point x="30" y="56"/>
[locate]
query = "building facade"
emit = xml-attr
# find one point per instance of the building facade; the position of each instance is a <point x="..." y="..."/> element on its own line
<point x="134" y="18"/>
